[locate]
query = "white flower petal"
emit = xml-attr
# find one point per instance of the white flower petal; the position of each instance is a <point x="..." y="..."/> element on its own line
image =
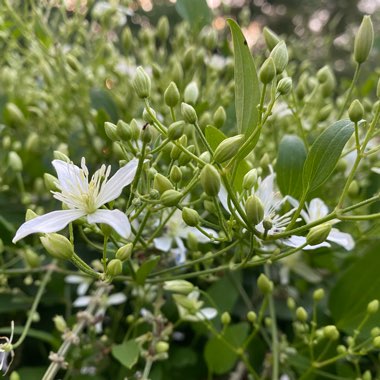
<point x="114" y="218"/>
<point x="116" y="299"/>
<point x="163" y="243"/>
<point x="206" y="313"/>
<point x="296" y="241"/>
<point x="51" y="222"/>
<point x="317" y="209"/>
<point x="342" y="238"/>
<point x="71" y="178"/>
<point x="114" y="186"/>
<point x="185" y="231"/>
<point x="82" y="301"/>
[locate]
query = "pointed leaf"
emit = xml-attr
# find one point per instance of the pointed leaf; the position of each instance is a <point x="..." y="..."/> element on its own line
<point x="290" y="160"/>
<point x="325" y="153"/>
<point x="145" y="269"/>
<point x="127" y="353"/>
<point x="196" y="12"/>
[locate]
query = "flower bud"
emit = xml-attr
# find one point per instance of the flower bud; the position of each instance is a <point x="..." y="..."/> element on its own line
<point x="188" y="113"/>
<point x="123" y="130"/>
<point x="284" y="86"/>
<point x="114" y="268"/>
<point x="318" y="294"/>
<point x="141" y="83"/>
<point x="331" y="332"/>
<point x="175" y="130"/>
<point x="205" y="157"/>
<point x="267" y="224"/>
<point x="191" y="93"/>
<point x="149" y="114"/>
<point x="135" y="129"/>
<point x="252" y="316"/>
<point x="210" y="180"/>
<point x="73" y="62"/>
<point x="378" y="89"/>
<point x="146" y="135"/>
<point x="31" y="258"/>
<point x="318" y="234"/>
<point x="301" y="314"/>
<point x="190" y="217"/>
<point x="219" y="117"/>
<point x="171" y="95"/>
<point x="192" y="242"/>
<point x="162" y="347"/>
<point x="373" y="307"/>
<point x="57" y="246"/>
<point x="228" y="148"/>
<point x="353" y="189"/>
<point x="170" y="198"/>
<point x="376" y="342"/>
<point x="264" y="284"/>
<point x="60" y="156"/>
<point x="14" y="114"/>
<point x="163" y="28"/>
<point x="126" y="38"/>
<point x="271" y="38"/>
<point x="188" y="58"/>
<point x="184" y="158"/>
<point x="250" y="179"/>
<point x="125" y="252"/>
<point x="14" y="376"/>
<point x="161" y="183"/>
<point x="225" y="318"/>
<point x="254" y="209"/>
<point x="175" y="174"/>
<point x="323" y="74"/>
<point x="280" y="56"/>
<point x="179" y="286"/>
<point x="291" y="303"/>
<point x="328" y="86"/>
<point x="367" y="375"/>
<point x="341" y="349"/>
<point x="60" y="323"/>
<point x="111" y="132"/>
<point x="375" y="331"/>
<point x="267" y="71"/>
<point x="363" y="40"/>
<point x="177" y="73"/>
<point x="356" y="111"/>
<point x="15" y="162"/>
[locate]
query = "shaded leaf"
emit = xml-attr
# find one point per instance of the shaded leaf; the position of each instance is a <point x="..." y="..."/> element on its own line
<point x="145" y="269"/>
<point x="196" y="12"/>
<point x="103" y="100"/>
<point x="127" y="353"/>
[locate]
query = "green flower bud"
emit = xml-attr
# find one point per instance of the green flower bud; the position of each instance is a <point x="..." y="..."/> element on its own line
<point x="206" y="157"/>
<point x="2" y="248"/>
<point x="179" y="286"/>
<point x="375" y="331"/>
<point x="264" y="284"/>
<point x="267" y="71"/>
<point x="356" y="111"/>
<point x="161" y="183"/>
<point x="73" y="62"/>
<point x="114" y="268"/>
<point x="146" y="135"/>
<point x="60" y="323"/>
<point x="323" y="74"/>
<point x="250" y="179"/>
<point x="254" y="209"/>
<point x="210" y="180"/>
<point x="149" y="114"/>
<point x="267" y="224"/>
<point x="191" y="93"/>
<point x="111" y="131"/>
<point x="161" y="347"/>
<point x="331" y="332"/>
<point x="31" y="258"/>
<point x="325" y="112"/>
<point x="125" y="252"/>
<point x="353" y="189"/>
<point x="363" y="40"/>
<point x="329" y="83"/>
<point x="318" y="294"/>
<point x="15" y="162"/>
<point x="192" y="242"/>
<point x="373" y="307"/>
<point x="367" y="375"/>
<point x="14" y="114"/>
<point x="188" y="113"/>
<point x="60" y="156"/>
<point x="175" y="152"/>
<point x="126" y="38"/>
<point x="123" y="130"/>
<point x="271" y="38"/>
<point x="265" y="160"/>
<point x="190" y="217"/>
<point x="318" y="234"/>
<point x="33" y="143"/>
<point x="225" y="318"/>
<point x="341" y="349"/>
<point x="141" y="83"/>
<point x="228" y="148"/>
<point x="252" y="316"/>
<point x="175" y="130"/>
<point x="301" y="314"/>
<point x="171" y="198"/>
<point x="57" y="246"/>
<point x="376" y="342"/>
<point x="175" y="174"/>
<point x="209" y="206"/>
<point x="219" y="117"/>
<point x="163" y="28"/>
<point x="171" y="95"/>
<point x="280" y="56"/>
<point x="188" y="58"/>
<point x="284" y="86"/>
<point x="177" y="73"/>
<point x="378" y="89"/>
<point x="291" y="303"/>
<point x="184" y="158"/>
<point x="135" y="129"/>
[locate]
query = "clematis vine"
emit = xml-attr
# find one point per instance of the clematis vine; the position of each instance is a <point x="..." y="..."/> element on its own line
<point x="84" y="197"/>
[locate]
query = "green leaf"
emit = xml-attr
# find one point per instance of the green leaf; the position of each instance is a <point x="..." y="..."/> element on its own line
<point x="325" y="153"/>
<point x="218" y="355"/>
<point x="357" y="286"/>
<point x="196" y="12"/>
<point x="247" y="89"/>
<point x="290" y="160"/>
<point x="126" y="353"/>
<point x="103" y="100"/>
<point x="145" y="269"/>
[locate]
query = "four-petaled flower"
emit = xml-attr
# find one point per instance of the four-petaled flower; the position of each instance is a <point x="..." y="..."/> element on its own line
<point x="84" y="197"/>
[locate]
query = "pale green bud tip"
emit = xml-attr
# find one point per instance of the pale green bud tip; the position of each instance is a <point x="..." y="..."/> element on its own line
<point x="318" y="234"/>
<point x="373" y="307"/>
<point x="141" y="83"/>
<point x="171" y="198"/>
<point x="252" y="316"/>
<point x="123" y="130"/>
<point x="114" y="267"/>
<point x="376" y="342"/>
<point x="15" y="162"/>
<point x="318" y="294"/>
<point x="284" y="86"/>
<point x="219" y="117"/>
<point x="228" y="148"/>
<point x="267" y="71"/>
<point x="364" y="40"/>
<point x="250" y="179"/>
<point x="331" y="332"/>
<point x="175" y="130"/>
<point x="264" y="284"/>
<point x="225" y="318"/>
<point x="60" y="156"/>
<point x="254" y="209"/>
<point x="175" y="174"/>
<point x="179" y="286"/>
<point x="161" y="183"/>
<point x="191" y="93"/>
<point x="58" y="246"/>
<point x="163" y="28"/>
<point x="341" y="349"/>
<point x="356" y="111"/>
<point x="50" y="182"/>
<point x="271" y="38"/>
<point x="280" y="56"/>
<point x="210" y="180"/>
<point x="190" y="216"/>
<point x="291" y="303"/>
<point x="60" y="323"/>
<point x="301" y="314"/>
<point x="171" y="95"/>
<point x="162" y="347"/>
<point x="188" y="113"/>
<point x="111" y="131"/>
<point x="367" y="375"/>
<point x="375" y="332"/>
<point x="125" y="252"/>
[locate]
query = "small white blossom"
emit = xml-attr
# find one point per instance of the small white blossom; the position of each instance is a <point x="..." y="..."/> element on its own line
<point x="6" y="349"/>
<point x="84" y="197"/>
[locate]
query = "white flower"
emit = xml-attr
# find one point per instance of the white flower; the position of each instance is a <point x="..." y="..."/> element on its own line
<point x="5" y="349"/>
<point x="176" y="231"/>
<point x="315" y="210"/>
<point x="84" y="197"/>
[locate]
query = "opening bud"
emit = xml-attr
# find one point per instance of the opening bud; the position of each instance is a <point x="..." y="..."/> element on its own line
<point x="318" y="234"/>
<point x="210" y="180"/>
<point x="363" y="40"/>
<point x="188" y="113"/>
<point x="141" y="83"/>
<point x="228" y="148"/>
<point x="57" y="246"/>
<point x="254" y="209"/>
